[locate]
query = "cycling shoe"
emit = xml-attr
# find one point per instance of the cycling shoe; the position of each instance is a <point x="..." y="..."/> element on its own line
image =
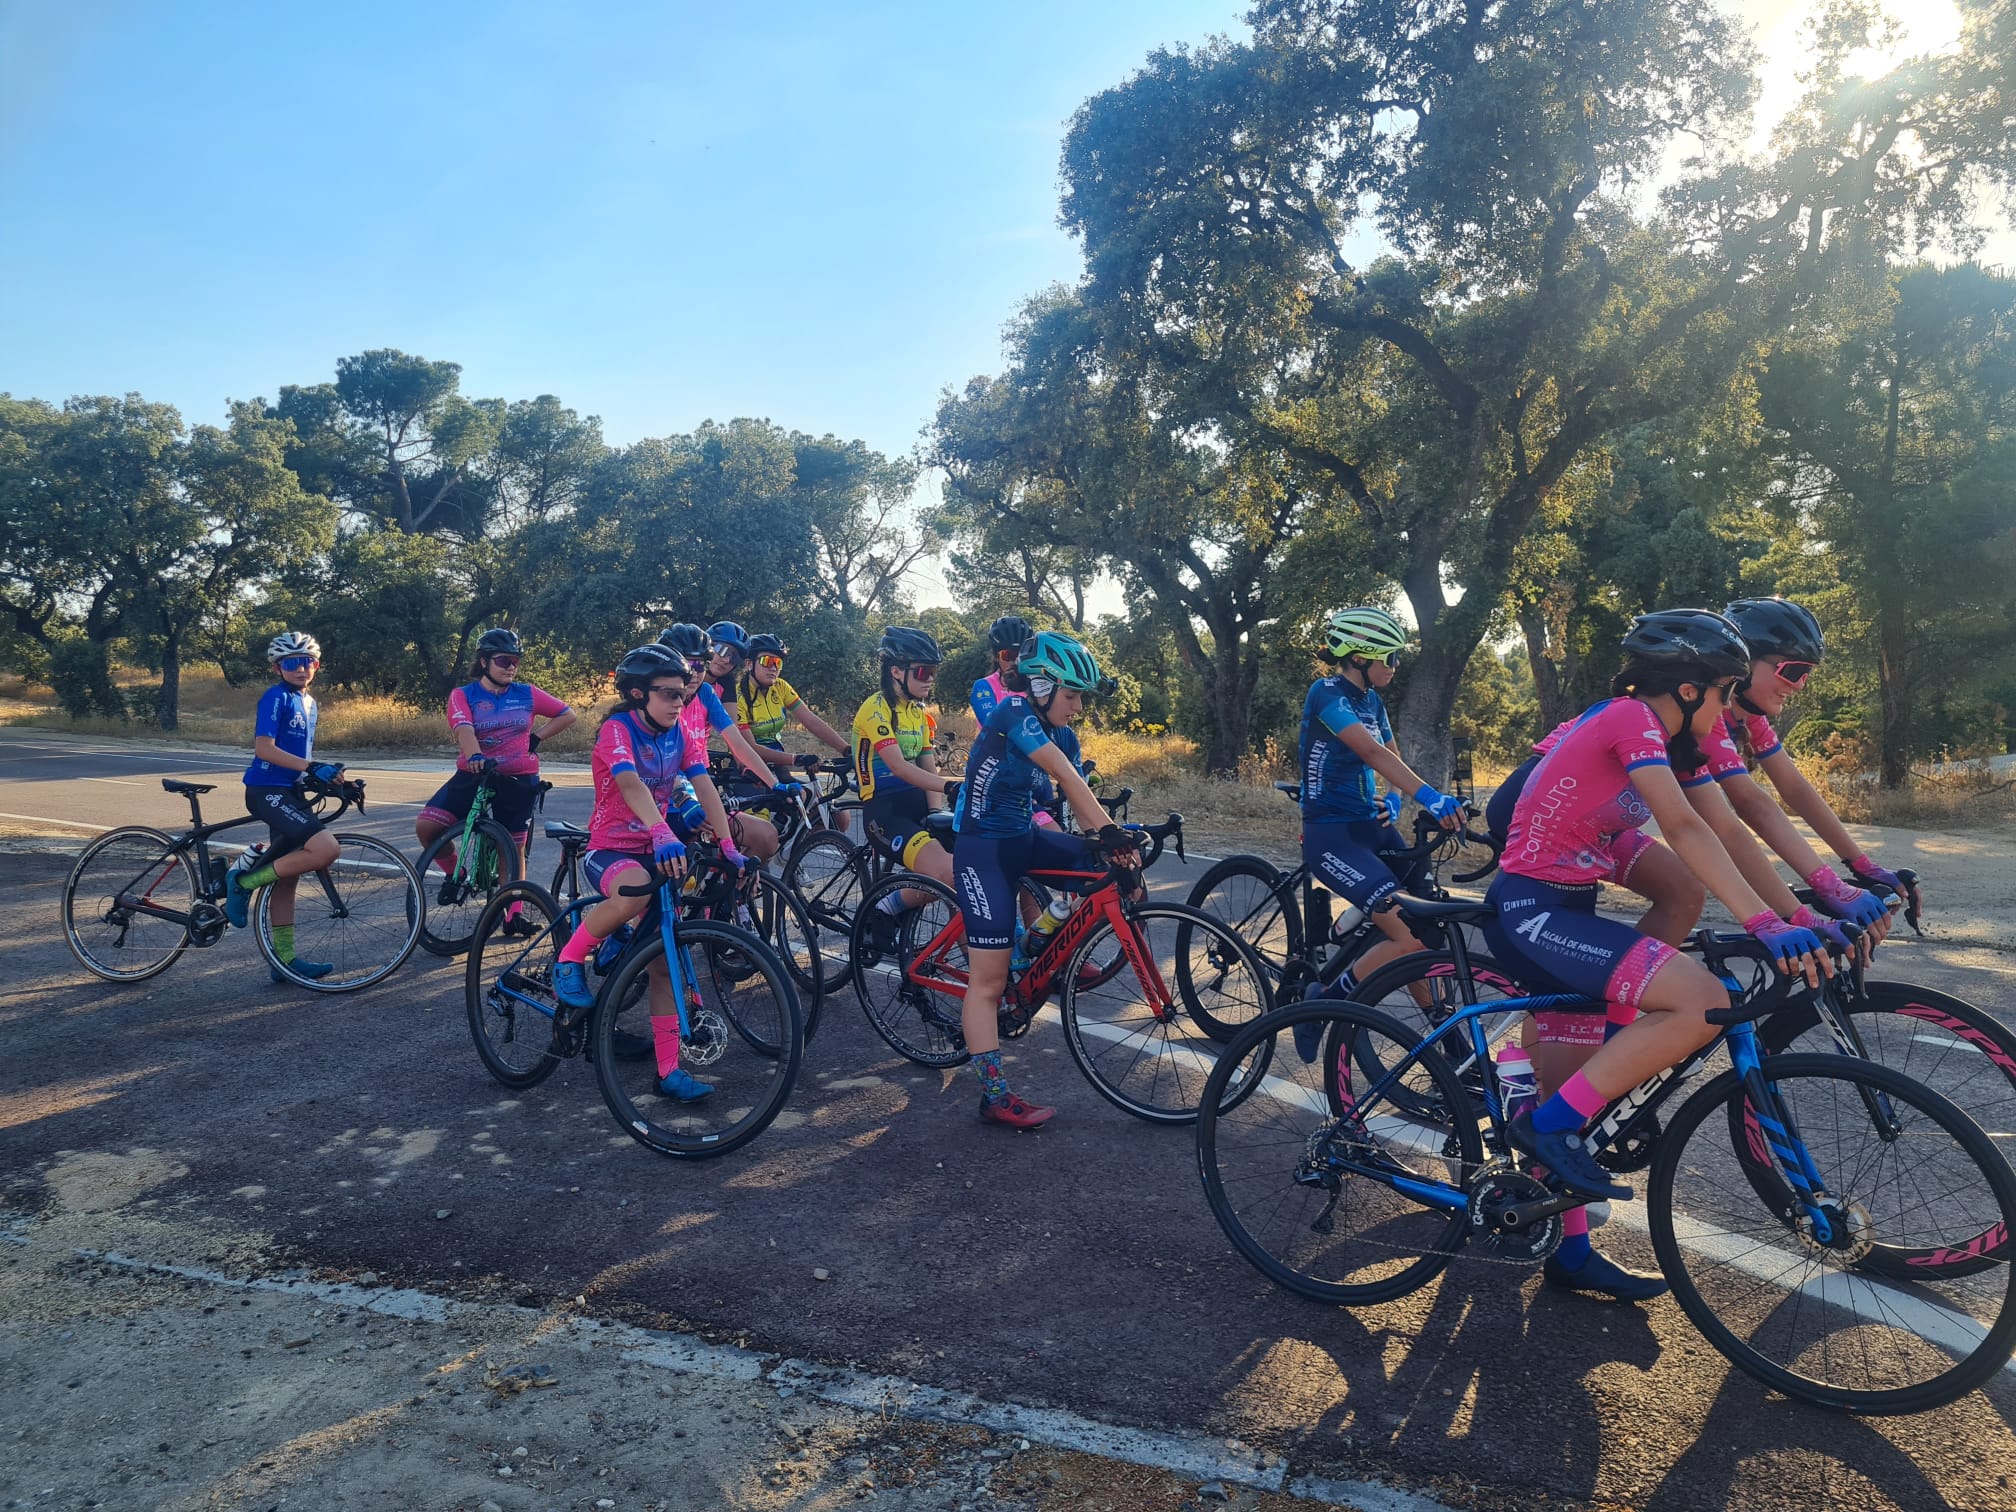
<point x="1605" y="1277"/>
<point x="1566" y="1154"/>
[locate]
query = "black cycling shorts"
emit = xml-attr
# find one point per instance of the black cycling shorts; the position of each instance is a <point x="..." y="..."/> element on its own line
<point x="511" y="800"/>
<point x="985" y="869"/>
<point x="288" y="818"/>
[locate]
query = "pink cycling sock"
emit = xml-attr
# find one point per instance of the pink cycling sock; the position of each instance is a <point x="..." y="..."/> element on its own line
<point x="1583" y="1098"/>
<point x="445" y="859"/>
<point x="580" y="945"/>
<point x="665" y="1039"/>
<point x="512" y="910"/>
<point x="1575" y="1222"/>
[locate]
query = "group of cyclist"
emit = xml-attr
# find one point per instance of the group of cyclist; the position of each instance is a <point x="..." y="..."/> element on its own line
<point x="1697" y="688"/>
<point x="1661" y="748"/>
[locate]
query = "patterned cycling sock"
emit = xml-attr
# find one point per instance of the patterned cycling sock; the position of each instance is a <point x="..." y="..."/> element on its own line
<point x="1570" y="1108"/>
<point x="283" y="941"/>
<point x="993" y="1080"/>
<point x="252" y="881"/>
<point x="580" y="945"/>
<point x="1574" y="1250"/>
<point x="665" y="1039"/>
<point x="1343" y="987"/>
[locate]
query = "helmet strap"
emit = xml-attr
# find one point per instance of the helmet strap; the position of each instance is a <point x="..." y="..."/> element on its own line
<point x="1743" y="699"/>
<point x="1685" y="746"/>
<point x="1358" y="670"/>
<point x="483" y="674"/>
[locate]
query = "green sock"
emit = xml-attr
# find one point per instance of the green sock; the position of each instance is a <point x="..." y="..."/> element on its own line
<point x="252" y="881"/>
<point x="283" y="941"/>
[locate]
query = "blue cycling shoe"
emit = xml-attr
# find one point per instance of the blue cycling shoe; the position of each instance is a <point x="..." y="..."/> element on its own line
<point x="570" y="985"/>
<point x="1309" y="1039"/>
<point x="237" y="902"/>
<point x="683" y="1085"/>
<point x="314" y="970"/>
<point x="1605" y="1277"/>
<point x="1566" y="1154"/>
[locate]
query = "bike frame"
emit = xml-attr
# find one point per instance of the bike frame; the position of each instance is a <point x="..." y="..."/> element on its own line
<point x="196" y="837"/>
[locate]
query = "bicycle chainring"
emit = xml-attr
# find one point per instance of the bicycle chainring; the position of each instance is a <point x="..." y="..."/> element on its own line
<point x="1634" y="1153"/>
<point x="1497" y="1187"/>
<point x="207" y="924"/>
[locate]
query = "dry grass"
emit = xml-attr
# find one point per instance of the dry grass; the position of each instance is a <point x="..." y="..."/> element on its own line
<point x="1958" y="796"/>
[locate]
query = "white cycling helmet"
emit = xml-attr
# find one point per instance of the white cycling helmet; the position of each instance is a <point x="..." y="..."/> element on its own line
<point x="293" y="643"/>
<point x="1364" y="631"/>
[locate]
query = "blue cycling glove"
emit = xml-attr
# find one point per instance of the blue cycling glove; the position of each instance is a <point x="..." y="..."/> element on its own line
<point x="788" y="789"/>
<point x="1844" y="901"/>
<point x="1838" y="934"/>
<point x="1786" y="942"/>
<point x="1439" y="805"/>
<point x="326" y="771"/>
<point x="665" y="845"/>
<point x="1393" y="802"/>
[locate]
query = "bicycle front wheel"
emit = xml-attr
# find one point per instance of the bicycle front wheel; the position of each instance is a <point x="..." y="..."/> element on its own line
<point x="785" y="925"/>
<point x="1144" y="1035"/>
<point x="517" y="1022"/>
<point x="486" y="864"/>
<point x="827" y="874"/>
<point x="1782" y="1293"/>
<point x="360" y="917"/>
<point x="1303" y="1174"/>
<point x="115" y="901"/>
<point x="742" y="1041"/>
<point x="910" y="970"/>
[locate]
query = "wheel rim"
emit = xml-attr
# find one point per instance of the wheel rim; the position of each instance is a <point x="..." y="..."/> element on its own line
<point x="360" y="917"/>
<point x="105" y="932"/>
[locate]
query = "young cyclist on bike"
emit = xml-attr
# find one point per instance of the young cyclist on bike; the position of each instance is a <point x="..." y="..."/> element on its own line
<point x="1346" y="738"/>
<point x="896" y="769"/>
<point x="764" y="702"/>
<point x="999" y="842"/>
<point x="1576" y="824"/>
<point x="728" y="653"/>
<point x="643" y="755"/>
<point x="1005" y="638"/>
<point x="283" y="747"/>
<point x="703" y="713"/>
<point x="492" y="720"/>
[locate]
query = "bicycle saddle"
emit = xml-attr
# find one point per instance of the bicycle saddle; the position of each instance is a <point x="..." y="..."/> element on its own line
<point x="1292" y="789"/>
<point x="1458" y="910"/>
<point x="560" y="829"/>
<point x="939" y="822"/>
<point x="186" y="789"/>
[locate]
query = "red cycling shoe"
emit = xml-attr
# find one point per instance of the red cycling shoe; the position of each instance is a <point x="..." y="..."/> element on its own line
<point x="1014" y="1112"/>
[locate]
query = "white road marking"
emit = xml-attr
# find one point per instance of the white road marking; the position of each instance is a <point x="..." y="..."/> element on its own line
<point x="45" y="819"/>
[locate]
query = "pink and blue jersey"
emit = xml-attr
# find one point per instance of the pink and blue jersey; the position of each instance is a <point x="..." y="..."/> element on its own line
<point x="503" y="722"/>
<point x="702" y="712"/>
<point x="625" y="744"/>
<point x="1724" y="759"/>
<point x="1579" y="800"/>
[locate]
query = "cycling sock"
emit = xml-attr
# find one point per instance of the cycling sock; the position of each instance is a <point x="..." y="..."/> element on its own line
<point x="445" y="859"/>
<point x="993" y="1080"/>
<point x="665" y="1040"/>
<point x="580" y="945"/>
<point x="1574" y="1250"/>
<point x="892" y="903"/>
<point x="1343" y="987"/>
<point x="1617" y="1016"/>
<point x="283" y="941"/>
<point x="513" y="909"/>
<point x="252" y="881"/>
<point x="1570" y="1108"/>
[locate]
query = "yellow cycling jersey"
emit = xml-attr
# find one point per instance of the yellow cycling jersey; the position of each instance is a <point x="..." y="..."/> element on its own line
<point x="768" y="712"/>
<point x="912" y="726"/>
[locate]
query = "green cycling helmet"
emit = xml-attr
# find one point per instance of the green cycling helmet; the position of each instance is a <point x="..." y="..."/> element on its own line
<point x="1364" y="631"/>
<point x="1060" y="659"/>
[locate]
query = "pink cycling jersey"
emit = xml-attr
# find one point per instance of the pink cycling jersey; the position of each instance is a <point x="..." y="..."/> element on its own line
<point x="1724" y="760"/>
<point x="625" y="744"/>
<point x="1579" y="801"/>
<point x="503" y="722"/>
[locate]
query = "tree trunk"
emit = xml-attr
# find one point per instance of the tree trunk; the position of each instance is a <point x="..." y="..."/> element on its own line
<point x="1228" y="694"/>
<point x="168" y="705"/>
<point x="1555" y="705"/>
<point x="1894" y="690"/>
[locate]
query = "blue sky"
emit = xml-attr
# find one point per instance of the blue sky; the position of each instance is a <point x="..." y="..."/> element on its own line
<point x="661" y="213"/>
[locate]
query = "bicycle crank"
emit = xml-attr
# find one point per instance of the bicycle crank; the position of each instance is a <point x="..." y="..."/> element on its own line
<point x="1513" y="1215"/>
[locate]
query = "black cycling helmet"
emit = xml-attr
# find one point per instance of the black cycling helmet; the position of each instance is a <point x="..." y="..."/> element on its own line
<point x="1009" y="632"/>
<point x="642" y="664"/>
<point x="767" y="644"/>
<point x="1778" y="627"/>
<point x="499" y="642"/>
<point x="728" y="633"/>
<point x="904" y="647"/>
<point x="1688" y="637"/>
<point x="687" y="640"/>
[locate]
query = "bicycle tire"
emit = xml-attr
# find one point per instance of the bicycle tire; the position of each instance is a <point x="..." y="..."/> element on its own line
<point x="919" y="1022"/>
<point x="371" y="871"/>
<point x="1137" y="1063"/>
<point x="1252" y="1151"/>
<point x="1249" y="894"/>
<point x="752" y="1087"/>
<point x="147" y="853"/>
<point x="498" y="1017"/>
<point x="828" y="874"/>
<point x="1981" y="1194"/>
<point x="451" y="919"/>
<point x="1438" y="969"/>
<point x="787" y="928"/>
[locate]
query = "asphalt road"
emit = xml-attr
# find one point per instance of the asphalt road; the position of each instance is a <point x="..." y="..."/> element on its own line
<point x="1078" y="1267"/>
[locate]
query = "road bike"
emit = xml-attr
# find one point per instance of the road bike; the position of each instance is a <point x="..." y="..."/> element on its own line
<point x="1828" y="1223"/>
<point x="739" y="1024"/>
<point x="485" y="858"/>
<point x="138" y="897"/>
<point x="1147" y="991"/>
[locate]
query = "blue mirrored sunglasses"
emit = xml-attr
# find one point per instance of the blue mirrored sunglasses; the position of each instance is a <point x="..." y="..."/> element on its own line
<point x="296" y="663"/>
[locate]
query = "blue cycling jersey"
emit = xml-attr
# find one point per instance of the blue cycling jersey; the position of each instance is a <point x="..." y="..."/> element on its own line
<point x="999" y="797"/>
<point x="287" y="718"/>
<point x="1336" y="782"/>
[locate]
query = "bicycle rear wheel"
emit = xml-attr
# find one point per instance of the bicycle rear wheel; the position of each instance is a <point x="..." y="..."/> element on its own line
<point x="828" y="875"/>
<point x="514" y="1017"/>
<point x="783" y="923"/>
<point x="361" y="916"/>
<point x="1246" y="894"/>
<point x="743" y="1039"/>
<point x="1301" y="1174"/>
<point x="488" y="863"/>
<point x="1782" y="1296"/>
<point x="1424" y="990"/>
<point x="108" y="898"/>
<point x="1140" y="1034"/>
<point x="911" y="992"/>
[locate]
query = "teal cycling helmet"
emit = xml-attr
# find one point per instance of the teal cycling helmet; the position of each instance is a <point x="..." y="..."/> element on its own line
<point x="1364" y="631"/>
<point x="1058" y="659"/>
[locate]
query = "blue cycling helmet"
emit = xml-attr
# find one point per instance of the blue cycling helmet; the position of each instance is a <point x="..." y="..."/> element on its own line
<point x="728" y="633"/>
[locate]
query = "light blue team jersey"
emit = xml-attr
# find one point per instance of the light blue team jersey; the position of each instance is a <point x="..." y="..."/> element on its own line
<point x="1337" y="785"/>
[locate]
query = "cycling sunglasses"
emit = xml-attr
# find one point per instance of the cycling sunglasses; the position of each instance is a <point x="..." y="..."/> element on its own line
<point x="676" y="692"/>
<point x="922" y="674"/>
<point x="771" y="661"/>
<point x="722" y="648"/>
<point x="508" y="663"/>
<point x="1794" y="673"/>
<point x="298" y="663"/>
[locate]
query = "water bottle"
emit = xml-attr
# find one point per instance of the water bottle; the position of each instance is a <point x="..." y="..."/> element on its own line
<point x="1516" y="1082"/>
<point x="611" y="949"/>
<point x="1046" y="925"/>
